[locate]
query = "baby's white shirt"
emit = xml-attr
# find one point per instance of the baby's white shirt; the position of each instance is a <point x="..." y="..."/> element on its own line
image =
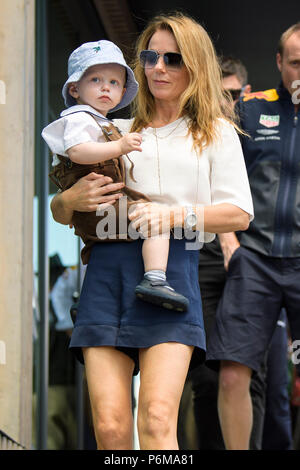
<point x="75" y="126"/>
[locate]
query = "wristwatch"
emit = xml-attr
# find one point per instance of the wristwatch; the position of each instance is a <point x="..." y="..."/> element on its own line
<point x="190" y="220"/>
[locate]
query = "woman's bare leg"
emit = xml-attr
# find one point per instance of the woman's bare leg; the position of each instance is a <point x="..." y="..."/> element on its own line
<point x="163" y="370"/>
<point x="109" y="378"/>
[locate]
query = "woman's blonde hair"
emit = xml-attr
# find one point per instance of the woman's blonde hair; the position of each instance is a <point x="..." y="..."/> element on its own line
<point x="204" y="100"/>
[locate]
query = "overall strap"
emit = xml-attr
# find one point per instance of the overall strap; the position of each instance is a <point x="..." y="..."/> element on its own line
<point x="112" y="133"/>
<point x="60" y="168"/>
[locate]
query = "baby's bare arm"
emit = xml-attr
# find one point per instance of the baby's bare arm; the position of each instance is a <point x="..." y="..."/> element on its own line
<point x="96" y="152"/>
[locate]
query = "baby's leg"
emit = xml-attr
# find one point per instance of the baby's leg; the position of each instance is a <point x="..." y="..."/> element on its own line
<point x="155" y="253"/>
<point x="154" y="288"/>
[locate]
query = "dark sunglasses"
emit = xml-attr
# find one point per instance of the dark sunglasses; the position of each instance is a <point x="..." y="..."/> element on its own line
<point x="235" y="94"/>
<point x="150" y="58"/>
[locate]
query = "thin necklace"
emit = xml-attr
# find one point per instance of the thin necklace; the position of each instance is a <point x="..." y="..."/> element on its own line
<point x="158" y="161"/>
<point x="173" y="130"/>
<point x="157" y="150"/>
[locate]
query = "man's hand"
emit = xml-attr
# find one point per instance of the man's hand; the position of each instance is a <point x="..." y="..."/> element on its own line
<point x="229" y="244"/>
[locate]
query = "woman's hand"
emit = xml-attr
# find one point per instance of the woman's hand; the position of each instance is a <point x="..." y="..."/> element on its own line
<point x="89" y="192"/>
<point x="84" y="196"/>
<point x="153" y="219"/>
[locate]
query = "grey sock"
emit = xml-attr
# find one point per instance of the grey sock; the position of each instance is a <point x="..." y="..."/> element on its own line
<point x="155" y="275"/>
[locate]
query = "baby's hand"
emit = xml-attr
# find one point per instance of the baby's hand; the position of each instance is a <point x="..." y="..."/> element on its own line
<point x="131" y="142"/>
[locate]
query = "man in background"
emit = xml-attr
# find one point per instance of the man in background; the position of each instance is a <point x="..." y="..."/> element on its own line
<point x="213" y="265"/>
<point x="203" y="382"/>
<point x="264" y="267"/>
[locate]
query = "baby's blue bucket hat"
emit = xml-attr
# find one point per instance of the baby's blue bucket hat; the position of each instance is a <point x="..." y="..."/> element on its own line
<point x="97" y="53"/>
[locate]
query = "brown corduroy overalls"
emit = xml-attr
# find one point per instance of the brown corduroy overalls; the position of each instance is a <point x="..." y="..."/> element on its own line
<point x="67" y="173"/>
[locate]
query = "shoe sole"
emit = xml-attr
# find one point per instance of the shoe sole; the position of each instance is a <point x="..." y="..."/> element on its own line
<point x="172" y="305"/>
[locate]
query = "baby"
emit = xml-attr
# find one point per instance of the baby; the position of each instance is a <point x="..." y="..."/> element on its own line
<point x="99" y="82"/>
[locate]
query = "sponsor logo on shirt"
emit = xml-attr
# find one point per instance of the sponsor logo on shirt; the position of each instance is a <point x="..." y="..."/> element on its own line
<point x="267" y="134"/>
<point x="269" y="121"/>
<point x="267" y="95"/>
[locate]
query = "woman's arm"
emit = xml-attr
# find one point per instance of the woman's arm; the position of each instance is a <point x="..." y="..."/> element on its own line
<point x="84" y="196"/>
<point x="223" y="218"/>
<point x="220" y="218"/>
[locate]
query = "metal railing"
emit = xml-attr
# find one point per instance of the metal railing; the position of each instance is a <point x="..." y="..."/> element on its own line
<point x="7" y="443"/>
<point x="41" y="120"/>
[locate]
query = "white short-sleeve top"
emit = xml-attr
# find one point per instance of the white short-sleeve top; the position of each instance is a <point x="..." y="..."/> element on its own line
<point x="75" y="126"/>
<point x="170" y="171"/>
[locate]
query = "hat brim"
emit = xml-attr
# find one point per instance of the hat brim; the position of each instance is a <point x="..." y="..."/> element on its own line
<point x="129" y="95"/>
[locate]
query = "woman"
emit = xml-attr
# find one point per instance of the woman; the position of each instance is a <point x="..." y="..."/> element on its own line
<point x="191" y="161"/>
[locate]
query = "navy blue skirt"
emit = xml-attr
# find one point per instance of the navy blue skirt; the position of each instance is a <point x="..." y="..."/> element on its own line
<point x="110" y="314"/>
